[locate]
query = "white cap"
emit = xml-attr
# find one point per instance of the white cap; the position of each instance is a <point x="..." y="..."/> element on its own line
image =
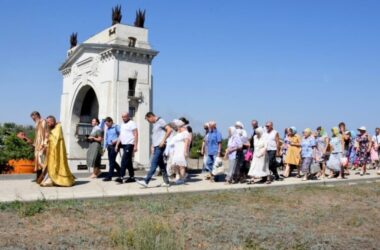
<point x="362" y="128"/>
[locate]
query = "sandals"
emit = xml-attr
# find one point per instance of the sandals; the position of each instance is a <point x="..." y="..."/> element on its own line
<point x="250" y="182"/>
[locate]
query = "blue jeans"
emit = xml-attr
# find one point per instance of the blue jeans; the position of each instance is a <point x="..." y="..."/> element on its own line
<point x="126" y="160"/>
<point x="210" y="162"/>
<point x="112" y="161"/>
<point x="157" y="161"/>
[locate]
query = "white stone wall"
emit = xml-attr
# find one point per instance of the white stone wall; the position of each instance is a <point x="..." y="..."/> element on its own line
<point x="107" y="71"/>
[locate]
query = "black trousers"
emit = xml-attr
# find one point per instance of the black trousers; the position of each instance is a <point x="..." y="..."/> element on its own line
<point x="112" y="161"/>
<point x="272" y="162"/>
<point x="126" y="160"/>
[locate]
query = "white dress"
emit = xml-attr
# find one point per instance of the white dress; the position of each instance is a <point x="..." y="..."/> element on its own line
<point x="260" y="164"/>
<point x="169" y="150"/>
<point x="179" y="158"/>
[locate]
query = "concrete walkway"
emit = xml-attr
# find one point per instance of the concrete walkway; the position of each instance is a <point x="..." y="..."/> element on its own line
<point x="24" y="189"/>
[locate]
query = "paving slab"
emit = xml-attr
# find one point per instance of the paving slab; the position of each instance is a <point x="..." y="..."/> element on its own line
<point x="25" y="189"/>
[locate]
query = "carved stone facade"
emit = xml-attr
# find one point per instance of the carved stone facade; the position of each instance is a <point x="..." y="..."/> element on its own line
<point x="105" y="76"/>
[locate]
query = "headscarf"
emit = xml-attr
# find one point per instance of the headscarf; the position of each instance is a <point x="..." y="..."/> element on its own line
<point x="178" y="123"/>
<point x="259" y="131"/>
<point x="307" y="131"/>
<point x="322" y="132"/>
<point x="353" y="134"/>
<point x="239" y="124"/>
<point x="335" y="131"/>
<point x="294" y="129"/>
<point x="233" y="131"/>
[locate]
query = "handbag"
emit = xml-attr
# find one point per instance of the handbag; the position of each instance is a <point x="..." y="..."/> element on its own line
<point x="248" y="155"/>
<point x="315" y="167"/>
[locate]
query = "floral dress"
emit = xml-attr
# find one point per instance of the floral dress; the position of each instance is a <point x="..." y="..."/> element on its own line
<point x="320" y="154"/>
<point x="362" y="155"/>
<point x="285" y="147"/>
<point x="351" y="154"/>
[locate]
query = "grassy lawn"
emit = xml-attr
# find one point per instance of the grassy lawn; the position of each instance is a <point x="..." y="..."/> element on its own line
<point x="297" y="217"/>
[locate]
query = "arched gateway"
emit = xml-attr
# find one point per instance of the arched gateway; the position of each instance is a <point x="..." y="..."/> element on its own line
<point x="106" y="75"/>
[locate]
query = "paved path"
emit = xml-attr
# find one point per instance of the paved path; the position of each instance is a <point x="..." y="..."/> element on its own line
<point x="24" y="189"/>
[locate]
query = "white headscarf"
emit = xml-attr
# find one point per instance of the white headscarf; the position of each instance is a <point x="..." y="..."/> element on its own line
<point x="178" y="123"/>
<point x="239" y="124"/>
<point x="259" y="131"/>
<point x="233" y="131"/>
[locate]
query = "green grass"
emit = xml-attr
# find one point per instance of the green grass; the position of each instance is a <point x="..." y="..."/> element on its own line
<point x="297" y="217"/>
<point x="147" y="234"/>
<point x="25" y="209"/>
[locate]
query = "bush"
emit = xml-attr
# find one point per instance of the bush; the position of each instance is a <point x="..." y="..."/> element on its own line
<point x="11" y="147"/>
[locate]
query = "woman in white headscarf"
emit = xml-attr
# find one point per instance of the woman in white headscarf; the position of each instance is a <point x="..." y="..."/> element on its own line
<point x="181" y="142"/>
<point x="242" y="165"/>
<point x="260" y="164"/>
<point x="169" y="151"/>
<point x="234" y="144"/>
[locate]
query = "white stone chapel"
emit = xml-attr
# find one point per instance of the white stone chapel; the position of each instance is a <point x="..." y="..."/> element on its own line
<point x="106" y="75"/>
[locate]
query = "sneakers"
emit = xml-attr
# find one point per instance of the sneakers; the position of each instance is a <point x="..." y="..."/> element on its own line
<point x="130" y="179"/>
<point x="142" y="183"/>
<point x="119" y="180"/>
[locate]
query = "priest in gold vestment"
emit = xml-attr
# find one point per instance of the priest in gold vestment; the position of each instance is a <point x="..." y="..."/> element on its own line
<point x="58" y="172"/>
<point x="40" y="144"/>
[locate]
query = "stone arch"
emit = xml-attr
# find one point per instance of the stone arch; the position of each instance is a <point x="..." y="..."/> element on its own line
<point x="84" y="108"/>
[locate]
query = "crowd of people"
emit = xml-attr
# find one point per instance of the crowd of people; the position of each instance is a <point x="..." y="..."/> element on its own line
<point x="313" y="155"/>
<point x="250" y="159"/>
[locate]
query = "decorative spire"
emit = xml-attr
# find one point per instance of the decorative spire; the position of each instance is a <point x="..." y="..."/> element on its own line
<point x="116" y="14"/>
<point x="140" y="18"/>
<point x="73" y="40"/>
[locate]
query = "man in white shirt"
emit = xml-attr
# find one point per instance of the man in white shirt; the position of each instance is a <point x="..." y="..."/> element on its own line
<point x="273" y="148"/>
<point x="128" y="139"/>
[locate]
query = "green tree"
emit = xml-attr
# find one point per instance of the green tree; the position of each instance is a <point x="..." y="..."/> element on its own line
<point x="197" y="146"/>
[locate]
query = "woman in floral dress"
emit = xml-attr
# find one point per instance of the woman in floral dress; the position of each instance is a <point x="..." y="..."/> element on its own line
<point x="322" y="154"/>
<point x="363" y="149"/>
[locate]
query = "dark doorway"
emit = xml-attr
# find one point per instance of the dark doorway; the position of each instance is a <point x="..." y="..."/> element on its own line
<point x="90" y="107"/>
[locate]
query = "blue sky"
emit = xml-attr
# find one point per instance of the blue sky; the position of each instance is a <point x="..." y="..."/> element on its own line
<point x="296" y="62"/>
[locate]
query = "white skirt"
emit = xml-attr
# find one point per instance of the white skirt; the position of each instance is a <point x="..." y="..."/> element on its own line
<point x="259" y="167"/>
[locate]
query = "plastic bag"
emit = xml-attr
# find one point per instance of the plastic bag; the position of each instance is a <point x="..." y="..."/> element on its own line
<point x="218" y="168"/>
